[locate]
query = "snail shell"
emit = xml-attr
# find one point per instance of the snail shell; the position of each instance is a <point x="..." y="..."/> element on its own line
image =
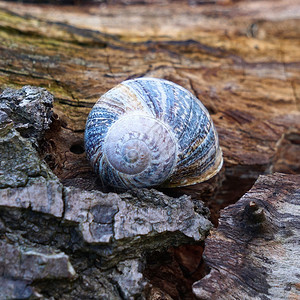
<point x="148" y="132"/>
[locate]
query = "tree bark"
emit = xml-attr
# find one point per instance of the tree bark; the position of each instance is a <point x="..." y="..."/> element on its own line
<point x="240" y="58"/>
<point x="236" y="58"/>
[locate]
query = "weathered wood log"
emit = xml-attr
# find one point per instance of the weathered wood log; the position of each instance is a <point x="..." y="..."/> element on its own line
<point x="254" y="253"/>
<point x="235" y="58"/>
<point x="241" y="59"/>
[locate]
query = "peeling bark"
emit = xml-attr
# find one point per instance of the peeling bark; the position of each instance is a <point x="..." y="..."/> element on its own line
<point x="41" y="220"/>
<point x="241" y="58"/>
<point x="236" y="58"/>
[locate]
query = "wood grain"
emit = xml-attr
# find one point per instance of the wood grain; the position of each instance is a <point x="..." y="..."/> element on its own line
<point x="241" y="59"/>
<point x="254" y="253"/>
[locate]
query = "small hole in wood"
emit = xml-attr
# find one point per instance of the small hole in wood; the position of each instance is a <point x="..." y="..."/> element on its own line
<point x="77" y="149"/>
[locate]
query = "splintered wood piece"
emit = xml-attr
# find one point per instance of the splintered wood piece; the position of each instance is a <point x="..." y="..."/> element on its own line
<point x="255" y="253"/>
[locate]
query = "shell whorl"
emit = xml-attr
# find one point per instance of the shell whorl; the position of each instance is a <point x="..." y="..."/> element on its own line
<point x="142" y="146"/>
<point x="147" y="131"/>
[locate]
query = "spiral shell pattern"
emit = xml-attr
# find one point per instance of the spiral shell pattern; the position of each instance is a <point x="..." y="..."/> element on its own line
<point x="148" y="132"/>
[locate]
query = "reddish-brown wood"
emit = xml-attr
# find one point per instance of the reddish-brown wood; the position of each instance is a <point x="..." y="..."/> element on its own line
<point x="241" y="58"/>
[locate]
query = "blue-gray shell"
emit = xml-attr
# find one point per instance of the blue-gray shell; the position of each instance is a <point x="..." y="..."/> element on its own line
<point x="149" y="132"/>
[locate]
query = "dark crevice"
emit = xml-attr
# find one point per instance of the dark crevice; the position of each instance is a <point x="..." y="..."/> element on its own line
<point x="77" y="148"/>
<point x="174" y="271"/>
<point x="229" y="186"/>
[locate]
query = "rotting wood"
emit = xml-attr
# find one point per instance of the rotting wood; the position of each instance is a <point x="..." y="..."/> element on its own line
<point x="241" y="59"/>
<point x="254" y="253"/>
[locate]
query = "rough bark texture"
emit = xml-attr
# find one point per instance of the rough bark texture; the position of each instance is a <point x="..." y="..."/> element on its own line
<point x="254" y="253"/>
<point x="241" y="58"/>
<point x="109" y="235"/>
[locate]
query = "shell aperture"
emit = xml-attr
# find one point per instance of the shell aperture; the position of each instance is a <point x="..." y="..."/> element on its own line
<point x="148" y="132"/>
